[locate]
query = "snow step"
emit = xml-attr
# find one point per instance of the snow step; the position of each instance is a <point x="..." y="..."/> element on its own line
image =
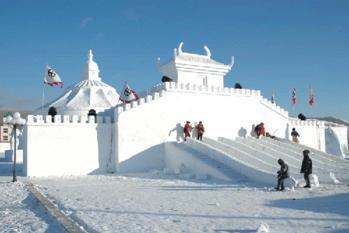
<point x="218" y="165"/>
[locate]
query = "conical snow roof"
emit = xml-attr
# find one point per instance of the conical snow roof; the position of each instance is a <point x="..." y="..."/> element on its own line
<point x="89" y="93"/>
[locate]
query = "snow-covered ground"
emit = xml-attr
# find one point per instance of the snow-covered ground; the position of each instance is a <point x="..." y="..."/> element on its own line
<point x="159" y="203"/>
<point x="19" y="211"/>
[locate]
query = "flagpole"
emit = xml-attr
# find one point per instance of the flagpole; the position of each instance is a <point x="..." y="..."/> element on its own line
<point x="43" y="99"/>
<point x="43" y="93"/>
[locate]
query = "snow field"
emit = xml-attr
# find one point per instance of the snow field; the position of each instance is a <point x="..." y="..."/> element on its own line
<point x="20" y="212"/>
<point x="159" y="203"/>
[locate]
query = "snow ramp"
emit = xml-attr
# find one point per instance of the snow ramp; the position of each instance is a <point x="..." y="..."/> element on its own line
<point x="325" y="166"/>
<point x="221" y="161"/>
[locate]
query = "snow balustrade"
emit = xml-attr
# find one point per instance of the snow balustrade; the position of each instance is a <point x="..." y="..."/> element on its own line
<point x="160" y="90"/>
<point x="310" y="122"/>
<point x="61" y="119"/>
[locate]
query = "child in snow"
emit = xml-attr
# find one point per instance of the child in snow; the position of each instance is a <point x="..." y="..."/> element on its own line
<point x="295" y="135"/>
<point x="282" y="175"/>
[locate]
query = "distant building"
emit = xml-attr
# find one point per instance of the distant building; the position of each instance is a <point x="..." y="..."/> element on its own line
<point x="5" y="133"/>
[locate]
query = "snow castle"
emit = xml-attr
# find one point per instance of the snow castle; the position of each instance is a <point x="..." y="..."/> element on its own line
<point x="147" y="133"/>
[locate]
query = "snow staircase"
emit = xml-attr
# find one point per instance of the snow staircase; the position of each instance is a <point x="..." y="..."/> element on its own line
<point x="323" y="164"/>
<point x="256" y="159"/>
<point x="238" y="161"/>
<point x="185" y="159"/>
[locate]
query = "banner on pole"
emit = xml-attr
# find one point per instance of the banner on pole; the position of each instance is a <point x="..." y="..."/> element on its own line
<point x="311" y="97"/>
<point x="51" y="77"/>
<point x="294" y="97"/>
<point x="128" y="95"/>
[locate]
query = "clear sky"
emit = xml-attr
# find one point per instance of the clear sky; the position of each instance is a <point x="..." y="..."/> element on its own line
<point x="277" y="45"/>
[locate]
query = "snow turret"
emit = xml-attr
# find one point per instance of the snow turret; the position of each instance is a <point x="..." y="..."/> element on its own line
<point x="91" y="70"/>
<point x="89" y="93"/>
<point x="195" y="68"/>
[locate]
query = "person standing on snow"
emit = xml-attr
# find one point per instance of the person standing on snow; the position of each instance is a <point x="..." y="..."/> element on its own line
<point x="282" y="175"/>
<point x="187" y="129"/>
<point x="200" y="129"/>
<point x="307" y="168"/>
<point x="295" y="135"/>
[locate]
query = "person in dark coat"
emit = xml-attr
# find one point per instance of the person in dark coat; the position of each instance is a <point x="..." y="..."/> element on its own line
<point x="187" y="129"/>
<point x="307" y="168"/>
<point x="200" y="129"/>
<point x="283" y="173"/>
<point x="52" y="112"/>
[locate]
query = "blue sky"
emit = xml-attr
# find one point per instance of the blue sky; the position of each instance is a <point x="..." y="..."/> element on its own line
<point x="277" y="45"/>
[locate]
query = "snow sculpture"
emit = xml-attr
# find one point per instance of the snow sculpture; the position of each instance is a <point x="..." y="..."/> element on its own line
<point x="196" y="69"/>
<point x="90" y="93"/>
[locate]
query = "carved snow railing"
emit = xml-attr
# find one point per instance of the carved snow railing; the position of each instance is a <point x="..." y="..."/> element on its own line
<point x="68" y="119"/>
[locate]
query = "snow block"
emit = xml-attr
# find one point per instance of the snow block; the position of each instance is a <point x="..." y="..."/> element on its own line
<point x="66" y="119"/>
<point x="58" y="119"/>
<point x="75" y="119"/>
<point x="48" y="119"/>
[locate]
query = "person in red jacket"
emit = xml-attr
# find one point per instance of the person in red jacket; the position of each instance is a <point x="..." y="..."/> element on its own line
<point x="261" y="130"/>
<point x="187" y="129"/>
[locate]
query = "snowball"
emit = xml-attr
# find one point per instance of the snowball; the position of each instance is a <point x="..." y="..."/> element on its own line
<point x="315" y="180"/>
<point x="333" y="178"/>
<point x="263" y="228"/>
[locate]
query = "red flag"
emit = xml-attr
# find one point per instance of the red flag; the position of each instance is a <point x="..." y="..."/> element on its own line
<point x="311" y="97"/>
<point x="294" y="97"/>
<point x="128" y="95"/>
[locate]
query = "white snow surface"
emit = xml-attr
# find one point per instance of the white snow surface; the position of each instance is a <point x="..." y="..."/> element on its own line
<point x="154" y="202"/>
<point x="20" y="212"/>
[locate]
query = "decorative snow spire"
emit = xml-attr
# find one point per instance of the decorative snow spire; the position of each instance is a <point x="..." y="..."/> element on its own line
<point x="90" y="55"/>
<point x="91" y="70"/>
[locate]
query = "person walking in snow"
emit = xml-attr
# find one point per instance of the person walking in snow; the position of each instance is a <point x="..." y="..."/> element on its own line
<point x="200" y="129"/>
<point x="187" y="129"/>
<point x="283" y="173"/>
<point x="295" y="135"/>
<point x="307" y="168"/>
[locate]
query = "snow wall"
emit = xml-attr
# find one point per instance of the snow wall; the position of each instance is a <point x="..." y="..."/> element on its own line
<point x="337" y="140"/>
<point x="312" y="133"/>
<point x="72" y="145"/>
<point x="75" y="145"/>
<point x="143" y="126"/>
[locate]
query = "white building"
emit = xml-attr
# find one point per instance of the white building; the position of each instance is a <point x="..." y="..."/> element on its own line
<point x="136" y="136"/>
<point x="5" y="133"/>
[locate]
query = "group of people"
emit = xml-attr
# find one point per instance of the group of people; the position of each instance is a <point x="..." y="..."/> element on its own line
<point x="306" y="169"/>
<point x="200" y="129"/>
<point x="259" y="131"/>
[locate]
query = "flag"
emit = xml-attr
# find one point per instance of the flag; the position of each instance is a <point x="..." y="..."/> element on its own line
<point x="273" y="98"/>
<point x="128" y="95"/>
<point x="52" y="78"/>
<point x="294" y="97"/>
<point x="311" y="97"/>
